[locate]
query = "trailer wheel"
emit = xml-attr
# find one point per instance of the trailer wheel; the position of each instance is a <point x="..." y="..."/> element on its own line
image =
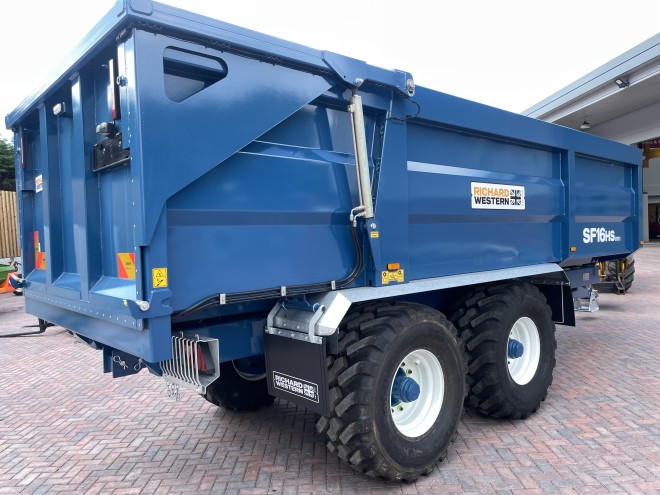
<point x="242" y="386"/>
<point x="397" y="389"/>
<point x="510" y="345"/>
<point x="627" y="279"/>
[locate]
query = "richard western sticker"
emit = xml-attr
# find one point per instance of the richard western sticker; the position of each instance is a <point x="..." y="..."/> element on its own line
<point x="296" y="386"/>
<point x="487" y="196"/>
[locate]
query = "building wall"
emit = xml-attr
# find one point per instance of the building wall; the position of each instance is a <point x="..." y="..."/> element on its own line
<point x="652" y="180"/>
<point x="652" y="199"/>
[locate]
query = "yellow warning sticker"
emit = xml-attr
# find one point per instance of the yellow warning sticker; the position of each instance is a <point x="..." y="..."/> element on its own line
<point x="159" y="277"/>
<point x="374" y="234"/>
<point x="392" y="276"/>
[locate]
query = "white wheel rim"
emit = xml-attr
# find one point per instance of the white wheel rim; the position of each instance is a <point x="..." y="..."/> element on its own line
<point x="523" y="369"/>
<point x="413" y="419"/>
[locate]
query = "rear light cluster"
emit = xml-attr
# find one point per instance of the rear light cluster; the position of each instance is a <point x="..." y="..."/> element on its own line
<point x="198" y="356"/>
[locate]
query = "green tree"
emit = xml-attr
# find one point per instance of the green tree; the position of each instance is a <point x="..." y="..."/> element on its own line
<point x="7" y="172"/>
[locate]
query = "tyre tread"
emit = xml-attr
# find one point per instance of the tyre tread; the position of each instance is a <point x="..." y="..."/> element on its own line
<point x="484" y="384"/>
<point x="364" y="336"/>
<point x="234" y="393"/>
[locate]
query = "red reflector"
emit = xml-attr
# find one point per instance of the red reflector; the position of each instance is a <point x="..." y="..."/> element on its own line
<point x="201" y="364"/>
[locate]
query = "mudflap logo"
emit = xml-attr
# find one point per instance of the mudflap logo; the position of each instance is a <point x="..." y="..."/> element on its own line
<point x="599" y="234"/>
<point x="487" y="196"/>
<point x="296" y="386"/>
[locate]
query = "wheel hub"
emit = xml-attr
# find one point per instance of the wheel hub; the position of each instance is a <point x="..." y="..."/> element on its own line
<point x="404" y="389"/>
<point x="515" y="349"/>
<point x="417" y="393"/>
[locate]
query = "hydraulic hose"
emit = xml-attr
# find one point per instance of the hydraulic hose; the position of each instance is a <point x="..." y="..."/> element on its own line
<point x="275" y="292"/>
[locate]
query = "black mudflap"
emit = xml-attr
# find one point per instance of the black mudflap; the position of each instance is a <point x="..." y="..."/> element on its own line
<point x="297" y="372"/>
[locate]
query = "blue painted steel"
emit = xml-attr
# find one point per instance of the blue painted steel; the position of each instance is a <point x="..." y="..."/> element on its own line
<point x="242" y="178"/>
<point x="515" y="349"/>
<point x="238" y="339"/>
<point x="581" y="279"/>
<point x="404" y="389"/>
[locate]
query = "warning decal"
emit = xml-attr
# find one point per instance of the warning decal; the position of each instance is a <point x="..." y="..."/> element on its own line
<point x="159" y="277"/>
<point x="40" y="263"/>
<point x="39" y="255"/>
<point x="39" y="183"/>
<point x="392" y="276"/>
<point x="126" y="265"/>
<point x="487" y="196"/>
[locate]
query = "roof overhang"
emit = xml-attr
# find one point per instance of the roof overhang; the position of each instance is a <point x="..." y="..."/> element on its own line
<point x="627" y="111"/>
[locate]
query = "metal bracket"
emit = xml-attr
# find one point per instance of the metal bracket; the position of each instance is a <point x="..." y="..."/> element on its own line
<point x="355" y="72"/>
<point x="123" y="364"/>
<point x="351" y="70"/>
<point x="109" y="153"/>
<point x="295" y="318"/>
<point x="152" y="308"/>
<point x="587" y="305"/>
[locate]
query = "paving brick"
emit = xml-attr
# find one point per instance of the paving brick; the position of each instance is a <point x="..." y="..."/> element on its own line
<point x="65" y="427"/>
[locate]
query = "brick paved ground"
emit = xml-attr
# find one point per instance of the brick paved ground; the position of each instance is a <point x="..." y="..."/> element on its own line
<point x="65" y="427"/>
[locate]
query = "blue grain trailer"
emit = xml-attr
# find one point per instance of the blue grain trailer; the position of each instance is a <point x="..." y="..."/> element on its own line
<point x="251" y="218"/>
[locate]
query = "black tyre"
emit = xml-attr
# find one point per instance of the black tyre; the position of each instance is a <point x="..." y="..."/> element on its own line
<point x="629" y="275"/>
<point x="400" y="436"/>
<point x="239" y="390"/>
<point x="490" y="321"/>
